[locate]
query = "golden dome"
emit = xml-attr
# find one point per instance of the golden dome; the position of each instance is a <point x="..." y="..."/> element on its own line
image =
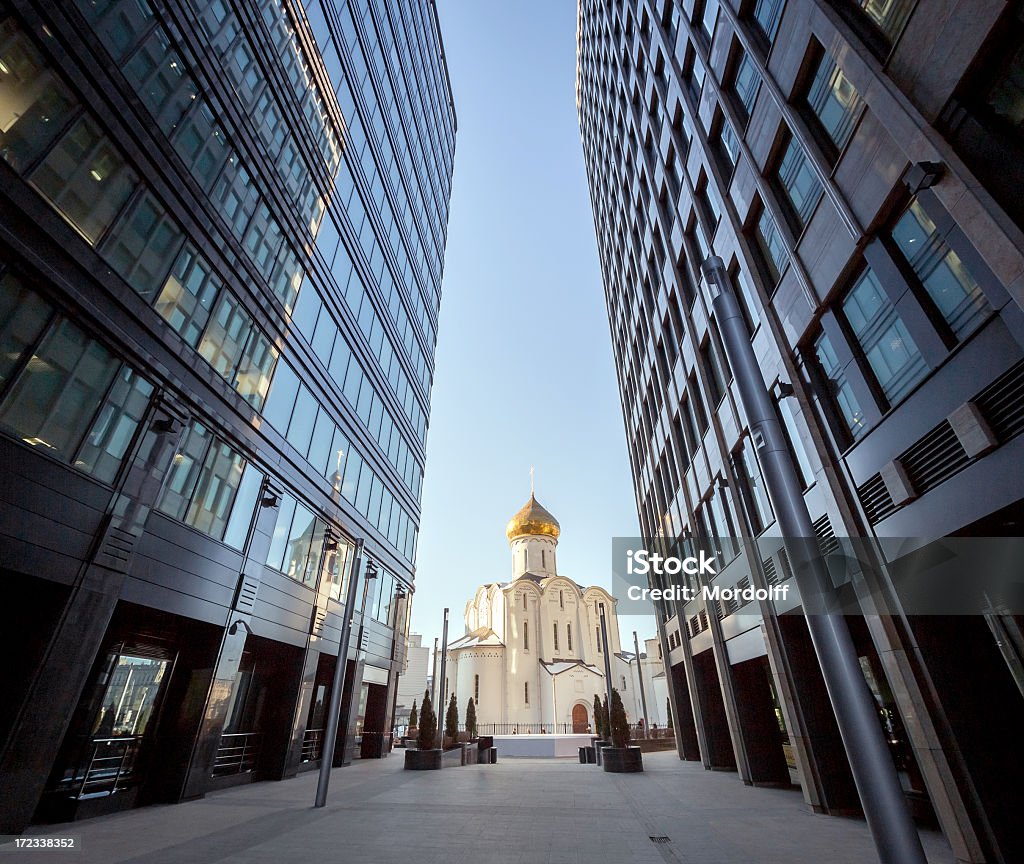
<point x="532" y="519"/>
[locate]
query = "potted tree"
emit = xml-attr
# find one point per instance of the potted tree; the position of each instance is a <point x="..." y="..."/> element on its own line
<point x="414" y="719"/>
<point x="427" y="757"/>
<point x="603" y="727"/>
<point x="620" y="758"/>
<point x="471" y="719"/>
<point x="451" y="722"/>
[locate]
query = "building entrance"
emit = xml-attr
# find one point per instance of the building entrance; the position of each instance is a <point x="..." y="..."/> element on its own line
<point x="579" y="719"/>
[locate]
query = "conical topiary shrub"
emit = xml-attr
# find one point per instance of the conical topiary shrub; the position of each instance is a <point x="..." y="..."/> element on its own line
<point x="471" y="718"/>
<point x="413" y="716"/>
<point x="620" y="727"/>
<point x="428" y="725"/>
<point x="451" y="720"/>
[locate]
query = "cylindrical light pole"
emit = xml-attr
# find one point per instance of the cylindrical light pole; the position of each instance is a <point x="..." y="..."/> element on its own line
<point x="433" y="677"/>
<point x="607" y="661"/>
<point x="881" y="796"/>
<point x="440" y="686"/>
<point x="640" y="678"/>
<point x="334" y="708"/>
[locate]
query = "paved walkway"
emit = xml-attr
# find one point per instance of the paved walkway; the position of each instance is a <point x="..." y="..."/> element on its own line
<point x="520" y="811"/>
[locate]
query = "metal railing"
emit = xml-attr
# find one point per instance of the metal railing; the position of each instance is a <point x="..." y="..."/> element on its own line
<point x="521" y="728"/>
<point x="111" y="766"/>
<point x="312" y="745"/>
<point x="237" y="753"/>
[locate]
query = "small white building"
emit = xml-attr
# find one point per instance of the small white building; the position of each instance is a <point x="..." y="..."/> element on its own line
<point x="532" y="655"/>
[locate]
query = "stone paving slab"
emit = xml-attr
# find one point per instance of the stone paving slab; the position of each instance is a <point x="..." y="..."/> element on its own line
<point x="521" y="811"/>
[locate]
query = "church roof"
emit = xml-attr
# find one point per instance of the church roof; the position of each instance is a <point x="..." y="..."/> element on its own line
<point x="480" y="636"/>
<point x="560" y="666"/>
<point x="530" y="520"/>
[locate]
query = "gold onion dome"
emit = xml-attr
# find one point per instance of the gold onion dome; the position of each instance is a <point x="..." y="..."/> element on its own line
<point x="532" y="519"/>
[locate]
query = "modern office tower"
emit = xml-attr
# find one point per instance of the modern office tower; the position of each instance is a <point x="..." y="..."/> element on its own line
<point x="857" y="165"/>
<point x="222" y="227"/>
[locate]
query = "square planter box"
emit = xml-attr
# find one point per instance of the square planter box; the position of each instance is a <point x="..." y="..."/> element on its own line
<point x="622" y="760"/>
<point x="423" y="760"/>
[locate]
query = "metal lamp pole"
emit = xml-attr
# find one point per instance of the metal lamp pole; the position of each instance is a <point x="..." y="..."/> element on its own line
<point x="640" y="678"/>
<point x="440" y="684"/>
<point x="607" y="662"/>
<point x="885" y="808"/>
<point x="334" y="709"/>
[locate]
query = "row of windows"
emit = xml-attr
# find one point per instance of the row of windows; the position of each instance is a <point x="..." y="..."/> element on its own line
<point x="294" y="411"/>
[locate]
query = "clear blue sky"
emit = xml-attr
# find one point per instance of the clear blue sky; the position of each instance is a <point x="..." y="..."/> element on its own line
<point x="524" y="371"/>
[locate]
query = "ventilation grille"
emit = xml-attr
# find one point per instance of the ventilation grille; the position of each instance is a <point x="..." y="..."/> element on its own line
<point x="875" y="499"/>
<point x="703" y="620"/>
<point x="827" y="542"/>
<point x="694" y="626"/>
<point x="771" y="575"/>
<point x="784" y="565"/>
<point x="1002" y="403"/>
<point x="247" y="594"/>
<point x="934" y="458"/>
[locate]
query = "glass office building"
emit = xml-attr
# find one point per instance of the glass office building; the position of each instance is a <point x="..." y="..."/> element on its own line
<point x="222" y="231"/>
<point x="857" y="166"/>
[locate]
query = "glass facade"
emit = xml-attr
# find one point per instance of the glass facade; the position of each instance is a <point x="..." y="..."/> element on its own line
<point x="242" y="207"/>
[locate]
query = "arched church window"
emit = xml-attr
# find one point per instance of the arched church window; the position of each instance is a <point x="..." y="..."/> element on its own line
<point x="623" y="683"/>
<point x="526" y="692"/>
<point x="561" y="599"/>
<point x="556" y="635"/>
<point x="526" y="559"/>
<point x="543" y="559"/>
<point x="476" y="688"/>
<point x="526" y="635"/>
<point x="568" y="636"/>
<point x="597" y="636"/>
<point x="524" y="600"/>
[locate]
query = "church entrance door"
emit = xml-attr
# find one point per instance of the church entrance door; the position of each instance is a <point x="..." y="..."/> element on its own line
<point x="579" y="719"/>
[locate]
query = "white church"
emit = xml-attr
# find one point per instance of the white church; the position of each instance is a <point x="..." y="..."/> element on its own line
<point x="532" y="656"/>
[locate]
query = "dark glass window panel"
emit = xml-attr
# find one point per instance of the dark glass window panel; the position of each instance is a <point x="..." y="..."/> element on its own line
<point x="161" y="81"/>
<point x="884" y="339"/>
<point x="226" y="336"/>
<point x="218" y="480"/>
<point x="767" y="14"/>
<point x="834" y="101"/>
<point x="252" y="381"/>
<point x="282" y="529"/>
<point x="23" y="316"/>
<point x="278" y="409"/>
<point x="184" y="472"/>
<point x="840" y="394"/>
<point x="948" y="281"/>
<point x="773" y="249"/>
<point x="1005" y="97"/>
<point x="187" y="297"/>
<point x="120" y="24"/>
<point x="114" y="428"/>
<point x="35" y="105"/>
<point x="202" y="145"/>
<point x="237" y="530"/>
<point x="888" y="16"/>
<point x="799" y="182"/>
<point x="57" y="393"/>
<point x="300" y="429"/>
<point x="746" y="83"/>
<point x="143" y="244"/>
<point x="85" y="178"/>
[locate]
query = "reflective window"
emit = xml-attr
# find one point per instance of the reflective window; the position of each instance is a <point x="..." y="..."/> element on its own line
<point x="159" y="77"/>
<point x="941" y="271"/>
<point x="888" y="346"/>
<point x="215" y="490"/>
<point x="888" y="16"/>
<point x="767" y="14"/>
<point x="745" y="83"/>
<point x="226" y="336"/>
<point x="278" y="409"/>
<point x="834" y="101"/>
<point x="34" y="105"/>
<point x="256" y="368"/>
<point x="752" y="489"/>
<point x="202" y="145"/>
<point x="774" y="253"/>
<point x="53" y="400"/>
<point x="184" y="471"/>
<point x="839" y="391"/>
<point x="85" y="178"/>
<point x="143" y="244"/>
<point x="798" y="181"/>
<point x="115" y="426"/>
<point x="188" y="295"/>
<point x="246" y="498"/>
<point x="23" y="316"/>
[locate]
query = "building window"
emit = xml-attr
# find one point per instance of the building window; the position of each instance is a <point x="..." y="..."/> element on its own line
<point x="774" y="255"/>
<point x="795" y="442"/>
<point x="476" y="688"/>
<point x="744" y="81"/>
<point x="526" y="692"/>
<point x="524" y="601"/>
<point x="716" y="377"/>
<point x="543" y="560"/>
<point x="187" y="297"/>
<point x="624" y="682"/>
<point x="766" y="15"/>
<point x="799" y="184"/>
<point x="561" y="599"/>
<point x="693" y="74"/>
<point x="833" y="101"/>
<point x="726" y="144"/>
<point x="752" y="490"/>
<point x="555" y="626"/>
<point x="597" y="638"/>
<point x="883" y="338"/>
<point x="941" y="272"/>
<point x="840" y="394"/>
<point x="86" y="179"/>
<point x="705" y="16"/>
<point x="888" y="17"/>
<point x="526" y="635"/>
<point x="568" y="637"/>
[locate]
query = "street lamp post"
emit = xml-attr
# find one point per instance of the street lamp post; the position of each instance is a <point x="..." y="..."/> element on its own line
<point x="334" y="708"/>
<point x="885" y="808"/>
<point x="640" y="679"/>
<point x="440" y="685"/>
<point x="607" y="661"/>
